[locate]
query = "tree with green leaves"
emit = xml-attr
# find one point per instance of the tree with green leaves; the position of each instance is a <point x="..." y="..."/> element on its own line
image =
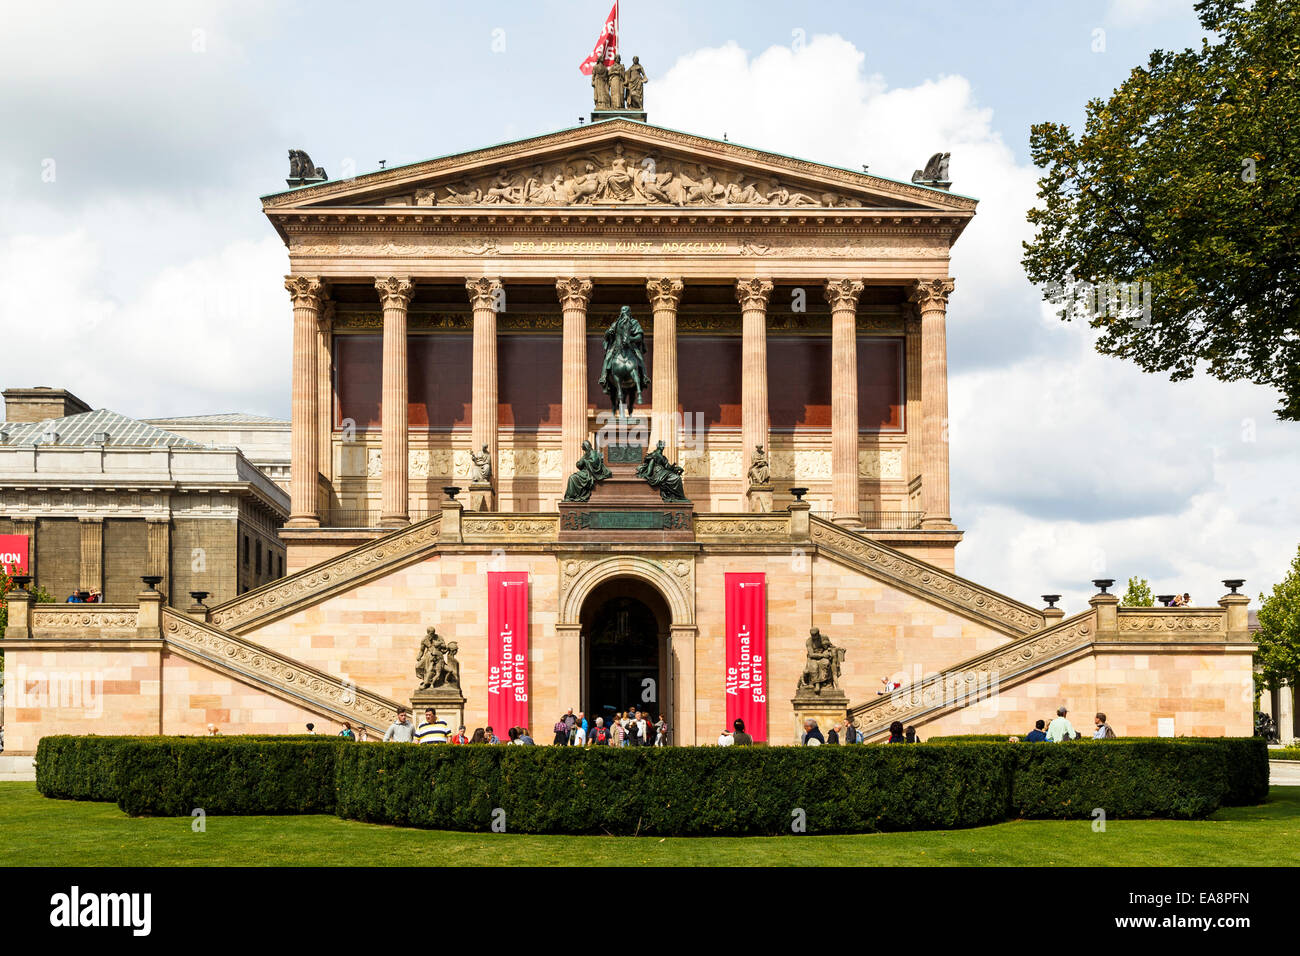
<point x="1170" y="224"/>
<point x="1278" y="637"/>
<point x="1138" y="594"/>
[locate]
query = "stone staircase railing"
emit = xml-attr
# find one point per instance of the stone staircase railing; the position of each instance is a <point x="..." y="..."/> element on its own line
<point x="979" y="677"/>
<point x="275" y="673"/>
<point x="332" y="576"/>
<point x="926" y="581"/>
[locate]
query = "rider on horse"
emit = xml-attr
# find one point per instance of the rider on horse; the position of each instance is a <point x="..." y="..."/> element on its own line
<point x="625" y="339"/>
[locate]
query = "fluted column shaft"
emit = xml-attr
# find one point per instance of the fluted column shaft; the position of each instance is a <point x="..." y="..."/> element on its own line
<point x="753" y="296"/>
<point x="665" y="296"/>
<point x="931" y="298"/>
<point x="842" y="295"/>
<point x="308" y="294"/>
<point x="574" y="294"/>
<point x="394" y="295"/>
<point x="487" y="296"/>
<point x="325" y="390"/>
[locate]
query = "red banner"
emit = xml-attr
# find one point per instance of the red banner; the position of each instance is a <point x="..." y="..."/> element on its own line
<point x="13" y="553"/>
<point x="747" y="652"/>
<point x="507" y="650"/>
<point x="606" y="43"/>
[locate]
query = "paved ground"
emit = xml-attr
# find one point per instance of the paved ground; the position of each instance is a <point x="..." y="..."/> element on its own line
<point x="1284" y="773"/>
<point x="17" y="768"/>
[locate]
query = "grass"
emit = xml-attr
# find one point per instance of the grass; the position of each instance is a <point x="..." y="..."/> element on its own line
<point x="38" y="831"/>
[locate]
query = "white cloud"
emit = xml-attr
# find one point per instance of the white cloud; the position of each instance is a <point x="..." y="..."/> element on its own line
<point x="1067" y="465"/>
<point x="207" y="335"/>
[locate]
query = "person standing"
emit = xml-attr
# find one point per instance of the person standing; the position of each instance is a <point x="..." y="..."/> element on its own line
<point x="460" y="737"/>
<point x="401" y="730"/>
<point x="812" y="735"/>
<point x="432" y="730"/>
<point x="1060" y="729"/>
<point x="633" y="738"/>
<point x="661" y="732"/>
<point x="896" y="733"/>
<point x="346" y="733"/>
<point x="600" y="734"/>
<point x="579" y="735"/>
<point x="643" y="728"/>
<point x="561" y="730"/>
<point x="1103" y="731"/>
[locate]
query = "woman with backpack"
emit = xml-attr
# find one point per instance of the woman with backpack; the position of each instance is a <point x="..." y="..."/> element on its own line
<point x="599" y="734"/>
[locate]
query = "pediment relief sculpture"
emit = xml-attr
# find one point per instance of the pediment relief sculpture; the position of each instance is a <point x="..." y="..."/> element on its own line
<point x="616" y="175"/>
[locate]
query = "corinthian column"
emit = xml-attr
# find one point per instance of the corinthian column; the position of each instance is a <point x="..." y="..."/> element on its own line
<point x="665" y="296"/>
<point x="395" y="295"/>
<point x="486" y="296"/>
<point x="842" y="294"/>
<point x="574" y="295"/>
<point x="931" y="298"/>
<point x="753" y="296"/>
<point x="308" y="294"/>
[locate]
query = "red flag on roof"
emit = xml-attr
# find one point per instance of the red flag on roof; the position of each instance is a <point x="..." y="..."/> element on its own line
<point x="606" y="44"/>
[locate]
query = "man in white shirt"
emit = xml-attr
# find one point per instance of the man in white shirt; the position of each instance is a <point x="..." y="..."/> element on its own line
<point x="724" y="739"/>
<point x="1060" y="728"/>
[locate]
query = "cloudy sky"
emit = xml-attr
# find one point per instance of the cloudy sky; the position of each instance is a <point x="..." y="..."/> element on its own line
<point x="136" y="267"/>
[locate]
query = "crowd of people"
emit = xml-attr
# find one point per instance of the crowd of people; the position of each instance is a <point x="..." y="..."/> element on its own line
<point x="630" y="728"/>
<point x="1060" y="730"/>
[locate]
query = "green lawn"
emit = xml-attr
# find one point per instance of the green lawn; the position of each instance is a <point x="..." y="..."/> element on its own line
<point x="35" y="830"/>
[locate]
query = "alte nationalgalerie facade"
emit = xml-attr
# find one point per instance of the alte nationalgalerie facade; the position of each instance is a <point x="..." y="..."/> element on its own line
<point x="455" y="308"/>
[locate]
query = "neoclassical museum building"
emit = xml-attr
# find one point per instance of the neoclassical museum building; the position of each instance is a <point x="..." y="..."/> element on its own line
<point x="787" y="550"/>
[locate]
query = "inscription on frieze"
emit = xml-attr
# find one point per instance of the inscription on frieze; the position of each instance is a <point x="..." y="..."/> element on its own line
<point x="625" y="521"/>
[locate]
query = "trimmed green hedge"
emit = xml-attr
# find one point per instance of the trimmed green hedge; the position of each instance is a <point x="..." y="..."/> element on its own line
<point x="156" y="776"/>
<point x="660" y="791"/>
<point x="679" y="791"/>
<point x="1284" y="753"/>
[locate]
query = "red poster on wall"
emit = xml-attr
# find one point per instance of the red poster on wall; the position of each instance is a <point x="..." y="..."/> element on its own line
<point x="507" y="650"/>
<point x="13" y="553"/>
<point x="747" y="652"/>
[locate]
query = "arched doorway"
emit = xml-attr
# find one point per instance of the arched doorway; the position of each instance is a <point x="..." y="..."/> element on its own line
<point x="625" y="649"/>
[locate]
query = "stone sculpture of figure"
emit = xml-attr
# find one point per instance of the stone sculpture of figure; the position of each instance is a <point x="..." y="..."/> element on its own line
<point x="451" y="666"/>
<point x="503" y="190"/>
<point x="662" y="474"/>
<point x="482" y="462"/>
<point x="636" y="81"/>
<point x="821" y="669"/>
<point x="600" y="82"/>
<point x="760" y="472"/>
<point x="619" y="181"/>
<point x="936" y="170"/>
<point x="617" y="79"/>
<point x="302" y="168"/>
<point x="580" y="189"/>
<point x="436" y="664"/>
<point x="588" y="470"/>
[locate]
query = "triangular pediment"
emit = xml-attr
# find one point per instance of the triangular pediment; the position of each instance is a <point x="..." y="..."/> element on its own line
<point x="616" y="163"/>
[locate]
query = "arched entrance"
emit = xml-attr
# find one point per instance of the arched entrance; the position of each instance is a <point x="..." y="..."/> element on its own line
<point x="625" y="628"/>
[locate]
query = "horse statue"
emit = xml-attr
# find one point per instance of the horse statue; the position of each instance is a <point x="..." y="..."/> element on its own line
<point x="623" y="374"/>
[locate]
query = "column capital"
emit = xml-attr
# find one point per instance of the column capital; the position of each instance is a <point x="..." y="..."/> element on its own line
<point x="573" y="292"/>
<point x="394" y="291"/>
<point x="930" y="294"/>
<point x="485" y="293"/>
<point x="665" y="293"/>
<point x="844" y="293"/>
<point x="753" y="293"/>
<point x="308" y="291"/>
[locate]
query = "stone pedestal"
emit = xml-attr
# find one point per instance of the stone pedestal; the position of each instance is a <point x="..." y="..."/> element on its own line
<point x="827" y="709"/>
<point x="598" y="115"/>
<point x="760" y="499"/>
<point x="624" y="508"/>
<point x="449" y="702"/>
<point x="481" y="497"/>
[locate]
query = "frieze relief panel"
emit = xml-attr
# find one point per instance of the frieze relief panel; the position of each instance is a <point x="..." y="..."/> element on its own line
<point x="880" y="464"/>
<point x="808" y="464"/>
<point x="529" y="463"/>
<point x="713" y="463"/>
